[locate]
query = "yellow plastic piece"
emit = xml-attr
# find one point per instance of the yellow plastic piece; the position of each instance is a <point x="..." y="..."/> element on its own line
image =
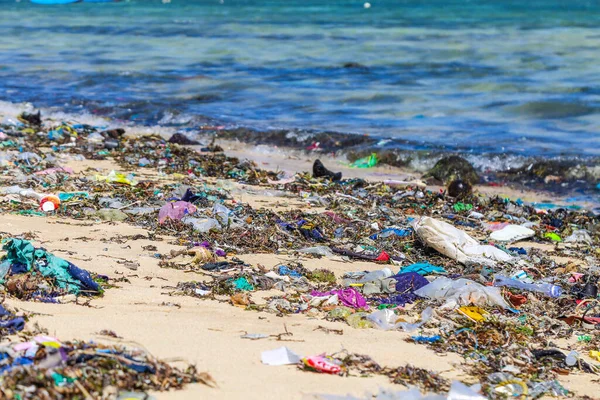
<point x="476" y="314"/>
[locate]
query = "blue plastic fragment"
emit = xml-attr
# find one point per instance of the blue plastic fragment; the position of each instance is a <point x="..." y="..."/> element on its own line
<point x="426" y="339"/>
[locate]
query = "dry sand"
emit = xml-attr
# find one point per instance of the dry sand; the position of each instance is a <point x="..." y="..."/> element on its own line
<point x="207" y="333"/>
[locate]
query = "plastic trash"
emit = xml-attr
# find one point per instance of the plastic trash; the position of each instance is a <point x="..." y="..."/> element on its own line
<point x="66" y="275"/>
<point x="572" y="358"/>
<point x="321" y="364"/>
<point x="512" y="233"/>
<point x="23" y="192"/>
<point x="376" y="275"/>
<point x="365" y="162"/>
<point x="349" y="297"/>
<point x="73" y="196"/>
<point x="280" y="356"/>
<point x="117" y="177"/>
<point x="391" y="232"/>
<point x="254" y="336"/>
<point x="461" y="292"/>
<point x="456" y="244"/>
<point x="175" y="211"/>
<point x="386" y="319"/>
<point x="426" y="339"/>
<point x="201" y="225"/>
<point x="318" y="250"/>
<point x="552" y="236"/>
<point x="359" y="320"/>
<point x="423" y="269"/>
<point x="110" y="214"/>
<point x="546" y="288"/>
<point x="4" y="268"/>
<point x="579" y="236"/>
<point x="29" y="158"/>
<point x="49" y="203"/>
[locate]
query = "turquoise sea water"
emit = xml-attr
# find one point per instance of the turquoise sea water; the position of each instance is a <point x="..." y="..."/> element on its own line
<point x="497" y="76"/>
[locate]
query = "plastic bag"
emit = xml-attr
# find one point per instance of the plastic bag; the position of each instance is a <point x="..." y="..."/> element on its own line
<point x="461" y="292"/>
<point x="456" y="244"/>
<point x="201" y="224"/>
<point x="175" y="211"/>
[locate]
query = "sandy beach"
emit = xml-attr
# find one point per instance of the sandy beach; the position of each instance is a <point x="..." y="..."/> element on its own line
<point x="207" y="333"/>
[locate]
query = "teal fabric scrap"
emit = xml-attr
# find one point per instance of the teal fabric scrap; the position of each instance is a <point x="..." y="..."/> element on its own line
<point x="22" y="252"/>
<point x="242" y="283"/>
<point x="423" y="269"/>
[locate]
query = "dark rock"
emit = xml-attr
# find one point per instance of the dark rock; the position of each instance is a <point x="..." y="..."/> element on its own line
<point x="31" y="119"/>
<point x="354" y="65"/>
<point x="180" y="138"/>
<point x="452" y="168"/>
<point x="113" y="133"/>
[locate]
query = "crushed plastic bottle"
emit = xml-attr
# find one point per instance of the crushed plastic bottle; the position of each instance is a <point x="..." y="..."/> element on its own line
<point x="546" y="288"/>
<point x="202" y="224"/>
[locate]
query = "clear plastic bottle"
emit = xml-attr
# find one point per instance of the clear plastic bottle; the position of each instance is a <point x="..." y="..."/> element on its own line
<point x="546" y="288"/>
<point x="375" y="275"/>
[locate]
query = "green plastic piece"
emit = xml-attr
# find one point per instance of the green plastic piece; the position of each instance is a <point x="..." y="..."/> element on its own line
<point x="552" y="236"/>
<point x="31" y="212"/>
<point x="365" y="162"/>
<point x="462" y="207"/>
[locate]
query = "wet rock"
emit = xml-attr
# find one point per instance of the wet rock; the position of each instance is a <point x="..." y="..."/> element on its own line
<point x="34" y="119"/>
<point x="354" y="65"/>
<point x="454" y="167"/>
<point x="113" y="133"/>
<point x="552" y="173"/>
<point x="180" y="138"/>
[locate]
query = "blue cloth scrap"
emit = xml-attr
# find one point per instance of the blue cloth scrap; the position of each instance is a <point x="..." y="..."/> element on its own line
<point x="387" y="232"/>
<point x="84" y="277"/>
<point x="406" y="284"/>
<point x="285" y="270"/>
<point x="424" y="268"/>
<point x="426" y="339"/>
<point x="518" y="250"/>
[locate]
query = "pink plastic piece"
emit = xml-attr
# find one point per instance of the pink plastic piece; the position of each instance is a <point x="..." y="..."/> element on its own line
<point x="175" y="211"/>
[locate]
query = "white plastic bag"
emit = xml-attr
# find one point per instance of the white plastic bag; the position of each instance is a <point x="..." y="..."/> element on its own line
<point x="461" y="292"/>
<point x="456" y="244"/>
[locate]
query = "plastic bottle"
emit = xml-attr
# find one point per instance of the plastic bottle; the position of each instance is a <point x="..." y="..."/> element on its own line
<point x="375" y="275"/>
<point x="546" y="288"/>
<point x="4" y="268"/>
<point x="572" y="358"/>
